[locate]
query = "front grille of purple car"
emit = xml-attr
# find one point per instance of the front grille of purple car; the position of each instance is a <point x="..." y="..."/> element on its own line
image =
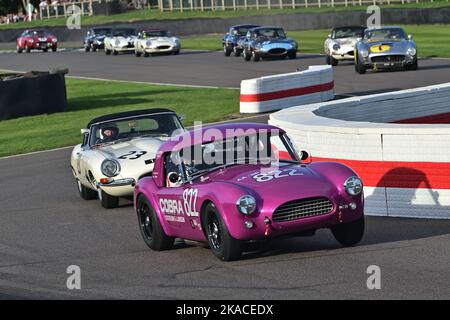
<point x="303" y="208"/>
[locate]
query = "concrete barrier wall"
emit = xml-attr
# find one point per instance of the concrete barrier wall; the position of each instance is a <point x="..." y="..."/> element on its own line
<point x="295" y="21"/>
<point x="405" y="167"/>
<point x="286" y="90"/>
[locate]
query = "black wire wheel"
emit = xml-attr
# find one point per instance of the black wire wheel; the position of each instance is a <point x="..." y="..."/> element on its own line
<point x="222" y="244"/>
<point x="151" y="230"/>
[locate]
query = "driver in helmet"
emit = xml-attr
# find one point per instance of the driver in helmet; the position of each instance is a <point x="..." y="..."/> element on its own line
<point x="109" y="133"/>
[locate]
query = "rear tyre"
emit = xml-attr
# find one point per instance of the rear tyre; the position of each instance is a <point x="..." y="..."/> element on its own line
<point x="151" y="230"/>
<point x="137" y="53"/>
<point x="414" y="66"/>
<point x="334" y="62"/>
<point x="226" y="50"/>
<point x="54" y="49"/>
<point x="349" y="234"/>
<point x="222" y="244"/>
<point x="19" y="49"/>
<point x="86" y="193"/>
<point x="146" y="54"/>
<point x="176" y="52"/>
<point x="236" y="51"/>
<point x="107" y="52"/>
<point x="27" y="48"/>
<point x="115" y="52"/>
<point x="87" y="48"/>
<point x="108" y="201"/>
<point x="94" y="48"/>
<point x="256" y="57"/>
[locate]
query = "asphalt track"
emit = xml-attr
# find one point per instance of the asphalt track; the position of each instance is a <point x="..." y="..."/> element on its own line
<point x="45" y="226"/>
<point x="213" y="69"/>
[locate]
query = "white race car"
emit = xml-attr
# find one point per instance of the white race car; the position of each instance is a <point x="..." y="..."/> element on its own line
<point x="340" y="44"/>
<point x="120" y="40"/>
<point x="156" y="41"/>
<point x="119" y="149"/>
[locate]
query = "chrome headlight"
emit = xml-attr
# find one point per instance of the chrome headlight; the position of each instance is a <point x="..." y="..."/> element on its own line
<point x="364" y="53"/>
<point x="117" y="42"/>
<point x="246" y="204"/>
<point x="336" y="46"/>
<point x="110" y="167"/>
<point x="411" y="51"/>
<point x="55" y="40"/>
<point x="148" y="43"/>
<point x="353" y="186"/>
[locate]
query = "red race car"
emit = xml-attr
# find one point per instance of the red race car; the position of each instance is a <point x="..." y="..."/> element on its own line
<point x="36" y="40"/>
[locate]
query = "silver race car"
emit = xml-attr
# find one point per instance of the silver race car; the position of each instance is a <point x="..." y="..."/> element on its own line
<point x="385" y="48"/>
<point x="340" y="44"/>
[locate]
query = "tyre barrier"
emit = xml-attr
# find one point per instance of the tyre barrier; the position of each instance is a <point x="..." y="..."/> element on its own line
<point x="398" y="143"/>
<point x="287" y="90"/>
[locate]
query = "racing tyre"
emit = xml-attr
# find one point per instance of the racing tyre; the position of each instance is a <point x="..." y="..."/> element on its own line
<point x="349" y="234"/>
<point x="359" y="67"/>
<point x="255" y="56"/>
<point x="150" y="226"/>
<point x="115" y="52"/>
<point x="146" y="54"/>
<point x="226" y="50"/>
<point x="222" y="244"/>
<point x="87" y="48"/>
<point x="45" y="50"/>
<point x="332" y="61"/>
<point x="246" y="55"/>
<point x="292" y="56"/>
<point x="107" y="51"/>
<point x="54" y="49"/>
<point x="94" y="48"/>
<point x="176" y="52"/>
<point x="86" y="193"/>
<point x="137" y="53"/>
<point x="27" y="48"/>
<point x="108" y="202"/>
<point x="19" y="50"/>
<point x="236" y="52"/>
<point x="414" y="65"/>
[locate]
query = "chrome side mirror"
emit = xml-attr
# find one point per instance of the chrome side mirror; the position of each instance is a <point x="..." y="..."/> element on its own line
<point x="182" y="117"/>
<point x="410" y="37"/>
<point x="174" y="177"/>
<point x="304" y="155"/>
<point x="84" y="131"/>
<point x="329" y="36"/>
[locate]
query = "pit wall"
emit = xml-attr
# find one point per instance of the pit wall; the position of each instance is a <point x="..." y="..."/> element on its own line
<point x="398" y="143"/>
<point x="287" y="90"/>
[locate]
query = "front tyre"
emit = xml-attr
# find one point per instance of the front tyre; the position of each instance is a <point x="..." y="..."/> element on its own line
<point x="246" y="55"/>
<point x="359" y="66"/>
<point x="350" y="233"/>
<point x="54" y="49"/>
<point x="108" y="201"/>
<point x="226" y="50"/>
<point x="222" y="244"/>
<point x="151" y="230"/>
<point x="86" y="193"/>
<point x="19" y="49"/>
<point x="292" y="55"/>
<point x="107" y="52"/>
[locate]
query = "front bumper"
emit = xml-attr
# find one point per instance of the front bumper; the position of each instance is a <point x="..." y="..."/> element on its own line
<point x="275" y="52"/>
<point x="118" y="188"/>
<point x="127" y="48"/>
<point x="344" y="53"/>
<point x="43" y="45"/>
<point x="391" y="61"/>
<point x="264" y="226"/>
<point x="161" y="48"/>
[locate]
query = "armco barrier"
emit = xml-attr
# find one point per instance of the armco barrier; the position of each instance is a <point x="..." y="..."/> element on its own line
<point x="287" y="90"/>
<point x="399" y="143"/>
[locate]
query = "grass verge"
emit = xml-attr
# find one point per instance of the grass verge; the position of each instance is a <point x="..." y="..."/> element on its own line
<point x="88" y="99"/>
<point x="141" y="15"/>
<point x="432" y="40"/>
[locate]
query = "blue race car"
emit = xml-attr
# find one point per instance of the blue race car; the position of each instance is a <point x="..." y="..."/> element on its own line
<point x="232" y="40"/>
<point x="95" y="38"/>
<point x="268" y="42"/>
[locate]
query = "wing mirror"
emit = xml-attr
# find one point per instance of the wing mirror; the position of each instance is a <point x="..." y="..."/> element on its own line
<point x="304" y="155"/>
<point x="182" y="117"/>
<point x="84" y="131"/>
<point x="410" y="37"/>
<point x="174" y="177"/>
<point x="329" y="36"/>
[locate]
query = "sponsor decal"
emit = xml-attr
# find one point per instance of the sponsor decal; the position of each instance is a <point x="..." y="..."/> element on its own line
<point x="175" y="209"/>
<point x="276" y="174"/>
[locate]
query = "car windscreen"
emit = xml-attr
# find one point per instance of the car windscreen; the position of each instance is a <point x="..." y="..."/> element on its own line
<point x="152" y="125"/>
<point x="350" y="32"/>
<point x="241" y="31"/>
<point x="385" y="34"/>
<point x="154" y="34"/>
<point x="102" y="32"/>
<point x="270" y="33"/>
<point x="123" y="33"/>
<point x="259" y="148"/>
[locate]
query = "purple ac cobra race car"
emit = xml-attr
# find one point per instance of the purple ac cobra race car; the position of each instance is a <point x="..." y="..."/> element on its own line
<point x="233" y="183"/>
